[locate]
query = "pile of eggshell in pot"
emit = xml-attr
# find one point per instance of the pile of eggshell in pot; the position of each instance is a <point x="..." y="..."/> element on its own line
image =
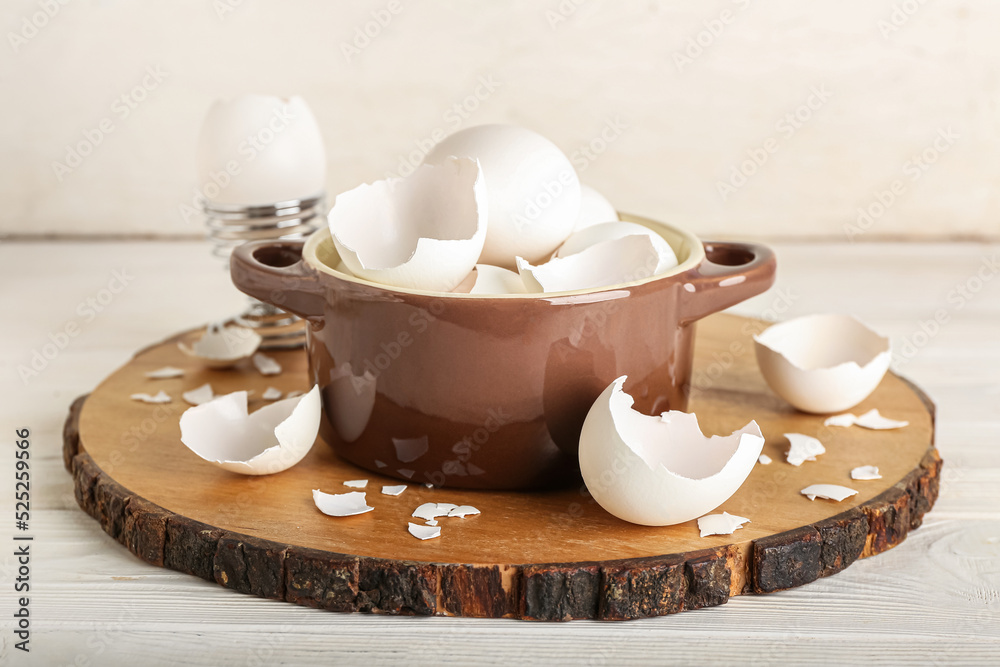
<point x="493" y="210"/>
<point x="499" y="210"/>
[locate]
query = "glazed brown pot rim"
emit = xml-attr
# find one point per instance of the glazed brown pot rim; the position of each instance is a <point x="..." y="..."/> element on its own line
<point x="679" y="239"/>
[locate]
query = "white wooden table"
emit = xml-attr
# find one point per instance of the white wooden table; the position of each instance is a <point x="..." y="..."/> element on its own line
<point x="935" y="598"/>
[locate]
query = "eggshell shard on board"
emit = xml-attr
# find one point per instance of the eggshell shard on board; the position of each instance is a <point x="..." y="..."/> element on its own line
<point x="828" y="492"/>
<point x="160" y="397"/>
<point x="720" y="524"/>
<point x="462" y="511"/>
<point x="425" y="231"/>
<point x="594" y="209"/>
<point x="266" y="365"/>
<point x="272" y="439"/>
<point x="870" y="420"/>
<point x="430" y="511"/>
<point x="613" y="262"/>
<point x="424" y="532"/>
<point x="393" y="490"/>
<point x="532" y="191"/>
<point x="822" y="363"/>
<point x="865" y="473"/>
<point x="764" y="460"/>
<point x="222" y="347"/>
<point x="658" y="471"/>
<point x="199" y="395"/>
<point x="165" y="373"/>
<point x="356" y="483"/>
<point x="611" y="231"/>
<point x="803" y="448"/>
<point x="341" y="504"/>
<point x="271" y="394"/>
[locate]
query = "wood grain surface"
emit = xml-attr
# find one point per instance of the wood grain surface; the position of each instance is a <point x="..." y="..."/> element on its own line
<point x="544" y="555"/>
<point x="933" y="599"/>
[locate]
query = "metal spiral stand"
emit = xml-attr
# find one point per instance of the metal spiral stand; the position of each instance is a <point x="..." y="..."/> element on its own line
<point x="230" y="225"/>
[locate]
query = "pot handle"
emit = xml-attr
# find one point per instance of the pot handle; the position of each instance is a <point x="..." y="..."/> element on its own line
<point x="732" y="272"/>
<point x="273" y="271"/>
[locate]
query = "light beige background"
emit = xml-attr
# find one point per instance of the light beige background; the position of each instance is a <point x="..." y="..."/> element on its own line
<point x="895" y="75"/>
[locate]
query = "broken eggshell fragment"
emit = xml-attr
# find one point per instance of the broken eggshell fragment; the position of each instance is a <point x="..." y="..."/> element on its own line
<point x="612" y="262"/>
<point x="272" y="439"/>
<point x="425" y="231"/>
<point x="870" y="420"/>
<point x="833" y="492"/>
<point x="491" y="279"/>
<point x="341" y="504"/>
<point x="610" y="231"/>
<point x="658" y="471"/>
<point x="720" y="524"/>
<point x="822" y="363"/>
<point x="222" y="347"/>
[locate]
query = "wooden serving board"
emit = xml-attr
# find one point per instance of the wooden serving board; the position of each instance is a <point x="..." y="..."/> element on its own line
<point x="541" y="555"/>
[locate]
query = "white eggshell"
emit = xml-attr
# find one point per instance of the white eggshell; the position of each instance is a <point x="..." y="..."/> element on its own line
<point x="160" y="397"/>
<point x="496" y="280"/>
<point x="424" y="532"/>
<point x="533" y="189"/>
<point x="429" y="511"/>
<point x="871" y="420"/>
<point x="658" y="471"/>
<point x="609" y="231"/>
<point x="165" y="373"/>
<point x="803" y="448"/>
<point x="613" y="262"/>
<point x="425" y="231"/>
<point x="828" y="492"/>
<point x="865" y="473"/>
<point x="272" y="439"/>
<point x="266" y="365"/>
<point x="221" y="347"/>
<point x="594" y="208"/>
<point x="720" y="524"/>
<point x="822" y="363"/>
<point x="341" y="504"/>
<point x="462" y="511"/>
<point x="275" y="145"/>
<point x="199" y="395"/>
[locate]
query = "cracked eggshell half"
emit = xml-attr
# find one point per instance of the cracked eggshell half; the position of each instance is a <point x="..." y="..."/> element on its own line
<point x="425" y="231"/>
<point x="603" y="264"/>
<point x="272" y="439"/>
<point x="610" y="231"/>
<point x="533" y="189"/>
<point x="822" y="363"/>
<point x="659" y="471"/>
<point x="595" y="208"/>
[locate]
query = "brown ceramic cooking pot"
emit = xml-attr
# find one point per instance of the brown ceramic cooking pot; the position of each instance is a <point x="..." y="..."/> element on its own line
<point x="491" y="391"/>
